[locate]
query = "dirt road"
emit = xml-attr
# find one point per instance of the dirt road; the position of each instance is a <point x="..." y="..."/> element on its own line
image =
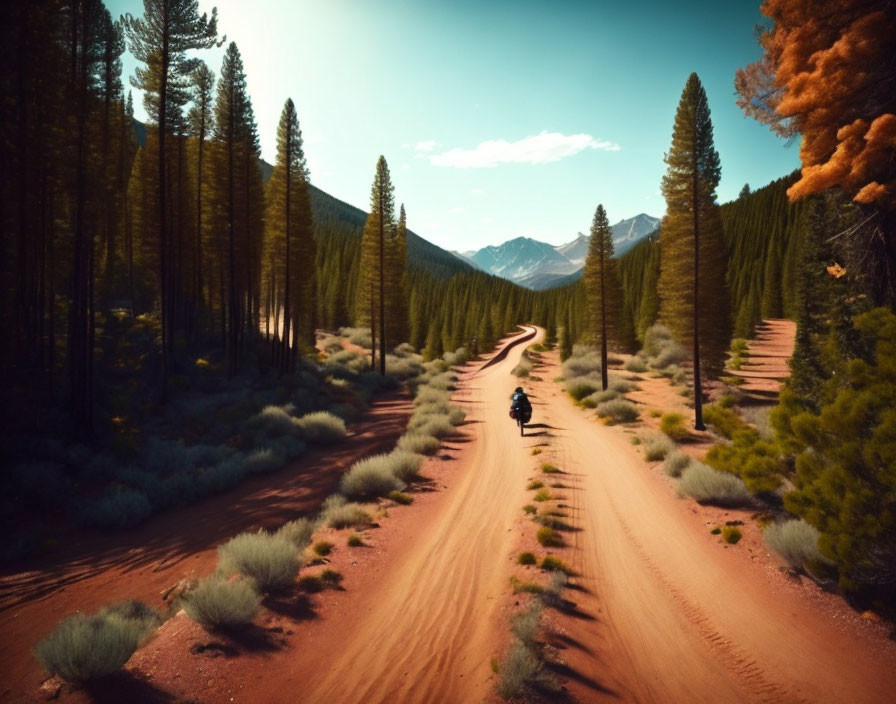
<point x="664" y="614"/>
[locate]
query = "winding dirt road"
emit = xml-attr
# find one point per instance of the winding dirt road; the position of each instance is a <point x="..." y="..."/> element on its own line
<point x="660" y="612"/>
<point x="662" y="615"/>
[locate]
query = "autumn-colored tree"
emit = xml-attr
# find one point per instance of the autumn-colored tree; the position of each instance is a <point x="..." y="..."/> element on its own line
<point x="692" y="267"/>
<point x="161" y="39"/>
<point x="827" y="74"/>
<point x="602" y="290"/>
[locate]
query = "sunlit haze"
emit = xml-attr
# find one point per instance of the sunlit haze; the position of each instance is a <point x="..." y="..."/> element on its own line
<point x="498" y="119"/>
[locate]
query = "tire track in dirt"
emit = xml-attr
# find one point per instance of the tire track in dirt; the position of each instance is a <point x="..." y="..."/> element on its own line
<point x="677" y="617"/>
<point x="434" y="627"/>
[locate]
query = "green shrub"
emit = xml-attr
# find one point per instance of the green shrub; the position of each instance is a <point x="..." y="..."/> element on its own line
<point x="83" y="647"/>
<point x="337" y="513"/>
<point x="271" y="562"/>
<point x="404" y="465"/>
<point x="553" y="592"/>
<point x="355" y="541"/>
<point x="117" y="508"/>
<point x="676" y="462"/>
<point x="548" y="468"/>
<point x="273" y="421"/>
<point x="599" y="397"/>
<point x="797" y="542"/>
<point x="322" y="548"/>
<point x="322" y="427"/>
<point x="526" y="558"/>
<point x="263" y="461"/>
<point x="529" y="509"/>
<point x="618" y="410"/>
<point x="657" y="447"/>
<point x="400" y="497"/>
<point x="437" y="426"/>
<point x="723" y="420"/>
<point x="759" y="463"/>
<point x="636" y="364"/>
<point x="525" y="624"/>
<point x="580" y="388"/>
<point x="519" y="586"/>
<point x="548" y="537"/>
<point x="731" y="534"/>
<point x="427" y="396"/>
<point x="141" y="616"/>
<point x="297" y="532"/>
<point x="217" y="603"/>
<point x="456" y="415"/>
<point x="621" y="386"/>
<point x="706" y="485"/>
<point x="519" y="671"/>
<point x="370" y="478"/>
<point x="420" y="443"/>
<point x="672" y="424"/>
<point x="584" y="361"/>
<point x="542" y="495"/>
<point x="534" y="484"/>
<point x="536" y="451"/>
<point x="554" y="564"/>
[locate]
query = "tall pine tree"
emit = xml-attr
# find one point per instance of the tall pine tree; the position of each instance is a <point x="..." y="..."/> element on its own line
<point x="693" y="301"/>
<point x="602" y="289"/>
<point x="161" y="40"/>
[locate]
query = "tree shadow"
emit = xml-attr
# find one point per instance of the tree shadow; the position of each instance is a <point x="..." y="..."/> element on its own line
<point x="569" y="673"/>
<point x="124" y="686"/>
<point x="563" y="641"/>
<point x="296" y="607"/>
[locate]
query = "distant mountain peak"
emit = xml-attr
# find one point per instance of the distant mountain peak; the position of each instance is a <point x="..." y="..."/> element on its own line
<point x="539" y="265"/>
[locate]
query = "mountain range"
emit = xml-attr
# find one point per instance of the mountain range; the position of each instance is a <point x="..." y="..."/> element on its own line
<point x="539" y="265"/>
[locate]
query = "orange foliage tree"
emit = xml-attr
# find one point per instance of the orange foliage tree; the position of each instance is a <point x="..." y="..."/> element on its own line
<point x="829" y="74"/>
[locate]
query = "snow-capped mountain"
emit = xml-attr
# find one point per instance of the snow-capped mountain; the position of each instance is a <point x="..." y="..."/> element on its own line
<point x="539" y="265"/>
<point x="575" y="251"/>
<point x="520" y="257"/>
<point x="627" y="233"/>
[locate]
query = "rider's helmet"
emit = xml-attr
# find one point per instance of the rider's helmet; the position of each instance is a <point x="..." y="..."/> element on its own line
<point x="518" y="390"/>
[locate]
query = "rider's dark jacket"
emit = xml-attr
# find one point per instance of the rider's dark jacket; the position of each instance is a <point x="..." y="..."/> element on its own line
<point x="520" y="403"/>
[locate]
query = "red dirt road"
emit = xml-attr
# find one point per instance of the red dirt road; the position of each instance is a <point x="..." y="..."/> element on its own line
<point x="663" y="612"/>
<point x="97" y="569"/>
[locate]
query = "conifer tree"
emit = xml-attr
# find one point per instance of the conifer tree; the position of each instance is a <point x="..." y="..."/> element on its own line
<point x="161" y="39"/>
<point x="602" y="289"/>
<point x="238" y="203"/>
<point x="378" y="232"/>
<point x="692" y="268"/>
<point x="201" y="122"/>
<point x="289" y="240"/>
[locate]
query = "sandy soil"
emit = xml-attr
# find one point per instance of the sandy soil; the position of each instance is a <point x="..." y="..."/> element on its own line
<point x="96" y="569"/>
<point x="661" y="610"/>
<point x="767" y="356"/>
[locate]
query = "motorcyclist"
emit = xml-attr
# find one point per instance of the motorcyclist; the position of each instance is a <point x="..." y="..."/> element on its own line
<point x="520" y="406"/>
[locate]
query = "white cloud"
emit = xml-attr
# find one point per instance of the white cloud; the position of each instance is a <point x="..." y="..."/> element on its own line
<point x="405" y="166"/>
<point x="542" y="148"/>
<point x="426" y="145"/>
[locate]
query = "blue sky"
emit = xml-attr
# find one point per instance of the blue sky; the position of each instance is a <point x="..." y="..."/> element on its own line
<point x="498" y="119"/>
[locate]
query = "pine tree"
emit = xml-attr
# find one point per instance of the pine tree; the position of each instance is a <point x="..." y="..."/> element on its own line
<point x="692" y="269"/>
<point x="602" y="288"/>
<point x="288" y="241"/>
<point x="201" y="122"/>
<point x="378" y="229"/>
<point x="161" y="40"/>
<point x="238" y="203"/>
